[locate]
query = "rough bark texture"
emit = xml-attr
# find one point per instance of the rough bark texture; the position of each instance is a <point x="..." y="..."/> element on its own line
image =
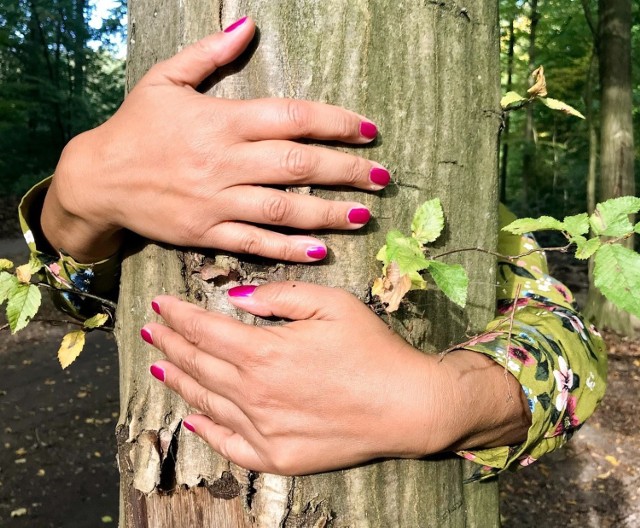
<point x="428" y="73"/>
<point x="616" y="136"/>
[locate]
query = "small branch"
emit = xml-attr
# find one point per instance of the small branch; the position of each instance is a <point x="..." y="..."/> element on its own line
<point x="4" y="327"/>
<point x="590" y="22"/>
<point x="512" y="315"/>
<point x="75" y="323"/>
<point x="562" y="249"/>
<point x="80" y="293"/>
<point x="518" y="106"/>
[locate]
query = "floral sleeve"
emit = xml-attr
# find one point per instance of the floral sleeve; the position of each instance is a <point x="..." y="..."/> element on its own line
<point x="69" y="278"/>
<point x="557" y="357"/>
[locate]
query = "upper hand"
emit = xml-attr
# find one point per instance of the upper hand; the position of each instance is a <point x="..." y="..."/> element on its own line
<point x="179" y="167"/>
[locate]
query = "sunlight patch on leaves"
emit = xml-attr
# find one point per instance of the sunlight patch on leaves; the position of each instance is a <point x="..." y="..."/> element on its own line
<point x="577" y="224"/>
<point x="452" y="279"/>
<point x="96" y="321"/>
<point x="70" y="348"/>
<point x="428" y="222"/>
<point x="527" y="225"/>
<point x="561" y="106"/>
<point x="23" y="304"/>
<point x="510" y="99"/>
<point x="611" y="218"/>
<point x="617" y="276"/>
<point x="5" y="264"/>
<point x="587" y="248"/>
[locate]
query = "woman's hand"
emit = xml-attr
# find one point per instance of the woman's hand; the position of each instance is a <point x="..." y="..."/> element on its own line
<point x="333" y="388"/>
<point x="179" y="167"/>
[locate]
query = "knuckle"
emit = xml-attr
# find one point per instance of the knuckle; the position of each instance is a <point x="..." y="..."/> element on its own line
<point x="193" y="331"/>
<point x="330" y="217"/>
<point x="276" y="209"/>
<point x="204" y="403"/>
<point x="250" y="243"/>
<point x="354" y="170"/>
<point x="297" y="116"/>
<point x="297" y="162"/>
<point x="344" y="127"/>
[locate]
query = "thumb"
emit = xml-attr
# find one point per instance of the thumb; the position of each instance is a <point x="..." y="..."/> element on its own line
<point x="199" y="60"/>
<point x="294" y="301"/>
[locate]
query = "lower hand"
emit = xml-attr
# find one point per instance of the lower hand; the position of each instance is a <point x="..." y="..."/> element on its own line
<point x="332" y="388"/>
<point x="182" y="168"/>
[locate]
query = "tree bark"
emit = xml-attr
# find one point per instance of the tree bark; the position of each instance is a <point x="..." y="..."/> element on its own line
<point x="616" y="136"/>
<point x="428" y="74"/>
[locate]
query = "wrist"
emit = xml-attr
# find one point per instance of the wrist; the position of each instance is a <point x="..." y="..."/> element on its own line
<point x="70" y="219"/>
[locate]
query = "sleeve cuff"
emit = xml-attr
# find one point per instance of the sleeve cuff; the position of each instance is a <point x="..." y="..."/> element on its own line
<point x="62" y="271"/>
<point x="562" y="368"/>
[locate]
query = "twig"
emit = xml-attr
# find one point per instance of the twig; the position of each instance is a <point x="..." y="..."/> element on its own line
<point x="80" y="293"/>
<point x="4" y="327"/>
<point x="512" y="315"/>
<point x="562" y="249"/>
<point x="76" y="323"/>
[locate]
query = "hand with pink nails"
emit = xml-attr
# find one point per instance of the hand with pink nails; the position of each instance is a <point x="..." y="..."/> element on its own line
<point x="179" y="167"/>
<point x="333" y="388"/>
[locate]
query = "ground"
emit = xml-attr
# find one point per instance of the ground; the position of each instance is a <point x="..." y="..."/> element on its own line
<point x="57" y="444"/>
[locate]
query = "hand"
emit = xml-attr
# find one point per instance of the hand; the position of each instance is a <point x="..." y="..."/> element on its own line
<point x="179" y="167"/>
<point x="333" y="388"/>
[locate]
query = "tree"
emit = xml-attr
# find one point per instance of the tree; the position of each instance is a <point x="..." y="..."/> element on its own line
<point x="429" y="75"/>
<point x="616" y="135"/>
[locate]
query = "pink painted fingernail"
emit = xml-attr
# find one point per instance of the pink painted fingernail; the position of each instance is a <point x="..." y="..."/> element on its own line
<point x="368" y="129"/>
<point x="157" y="372"/>
<point x="146" y="335"/>
<point x="317" y="252"/>
<point x="188" y="426"/>
<point x="235" y="25"/>
<point x="380" y="176"/>
<point x="242" y="291"/>
<point x="359" y="215"/>
<point x="156" y="307"/>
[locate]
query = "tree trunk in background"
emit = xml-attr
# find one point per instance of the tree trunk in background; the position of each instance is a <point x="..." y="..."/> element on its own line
<point x="529" y="149"/>
<point x="504" y="161"/>
<point x="616" y="136"/>
<point x="592" y="173"/>
<point x="428" y="74"/>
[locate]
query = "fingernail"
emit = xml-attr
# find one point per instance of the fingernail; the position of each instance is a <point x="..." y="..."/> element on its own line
<point x="236" y="24"/>
<point x="359" y="215"/>
<point x="146" y="335"/>
<point x="157" y="372"/>
<point x="368" y="129"/>
<point x="242" y="291"/>
<point x="156" y="307"/>
<point x="188" y="426"/>
<point x="380" y="176"/>
<point x="317" y="252"/>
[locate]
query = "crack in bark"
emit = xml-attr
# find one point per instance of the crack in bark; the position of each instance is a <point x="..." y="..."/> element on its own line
<point x="168" y="479"/>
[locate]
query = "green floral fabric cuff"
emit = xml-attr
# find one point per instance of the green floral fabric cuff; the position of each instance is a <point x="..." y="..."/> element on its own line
<point x="69" y="278"/>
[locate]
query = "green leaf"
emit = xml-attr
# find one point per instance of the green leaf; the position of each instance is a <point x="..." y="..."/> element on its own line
<point x="406" y="251"/>
<point x="511" y="98"/>
<point x="577" y="224"/>
<point x="452" y="279"/>
<point x="382" y="255"/>
<point x="70" y="348"/>
<point x="617" y="276"/>
<point x="611" y="218"/>
<point x="428" y="222"/>
<point x="636" y="228"/>
<point x="96" y="321"/>
<point x="526" y="225"/>
<point x="587" y="248"/>
<point x="8" y="283"/>
<point x="561" y="106"/>
<point x="5" y="264"/>
<point x="23" y="304"/>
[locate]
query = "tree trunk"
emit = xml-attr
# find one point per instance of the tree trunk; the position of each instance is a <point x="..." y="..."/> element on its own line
<point x="616" y="136"/>
<point x="529" y="161"/>
<point x="428" y="74"/>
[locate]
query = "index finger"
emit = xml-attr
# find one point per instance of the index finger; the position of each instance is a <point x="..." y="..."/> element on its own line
<point x="260" y="119"/>
<point x="217" y="334"/>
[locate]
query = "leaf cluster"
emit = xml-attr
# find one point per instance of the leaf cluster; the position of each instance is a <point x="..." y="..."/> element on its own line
<point x="24" y="298"/>
<point x="405" y="261"/>
<point x="617" y="268"/>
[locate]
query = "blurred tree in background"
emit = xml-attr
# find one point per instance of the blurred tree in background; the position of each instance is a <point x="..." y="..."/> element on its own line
<point x="58" y="77"/>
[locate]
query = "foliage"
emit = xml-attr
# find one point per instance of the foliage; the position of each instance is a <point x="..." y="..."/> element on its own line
<point x="616" y="272"/>
<point x="617" y="268"/>
<point x="404" y="261"/>
<point x="54" y="84"/>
